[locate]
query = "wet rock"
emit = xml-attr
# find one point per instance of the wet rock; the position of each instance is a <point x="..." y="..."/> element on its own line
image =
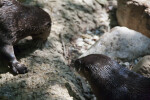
<point x="134" y="14"/>
<point x="121" y="43"/>
<point x="143" y="67"/>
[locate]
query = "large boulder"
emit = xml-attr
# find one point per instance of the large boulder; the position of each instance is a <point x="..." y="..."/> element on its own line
<point x="121" y="43"/>
<point x="134" y="14"/>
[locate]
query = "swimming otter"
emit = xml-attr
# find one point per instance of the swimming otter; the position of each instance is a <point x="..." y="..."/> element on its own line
<point x="18" y="21"/>
<point x="111" y="81"/>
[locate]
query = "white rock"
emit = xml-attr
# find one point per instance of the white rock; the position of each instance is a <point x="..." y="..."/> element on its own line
<point x="83" y="50"/>
<point x="80" y="44"/>
<point x="95" y="38"/>
<point x="127" y="64"/>
<point x="89" y="41"/>
<point x="79" y="40"/>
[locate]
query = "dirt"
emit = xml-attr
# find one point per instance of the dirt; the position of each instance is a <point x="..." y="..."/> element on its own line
<point x="50" y="76"/>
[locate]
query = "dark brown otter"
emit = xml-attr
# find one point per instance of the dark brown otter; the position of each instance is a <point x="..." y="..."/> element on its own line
<point x="18" y="21"/>
<point x="111" y="81"/>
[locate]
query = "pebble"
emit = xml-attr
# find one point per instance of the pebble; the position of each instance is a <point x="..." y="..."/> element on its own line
<point x="79" y="40"/>
<point x="83" y="50"/>
<point x="136" y="61"/>
<point x="86" y="36"/>
<point x="89" y="41"/>
<point x="38" y="59"/>
<point x="95" y="38"/>
<point x="87" y="46"/>
<point x="97" y="32"/>
<point x="89" y="32"/>
<point x="127" y="64"/>
<point x="80" y="44"/>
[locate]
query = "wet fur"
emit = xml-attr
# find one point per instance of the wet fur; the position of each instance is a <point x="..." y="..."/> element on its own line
<point x="18" y="21"/>
<point x="111" y="81"/>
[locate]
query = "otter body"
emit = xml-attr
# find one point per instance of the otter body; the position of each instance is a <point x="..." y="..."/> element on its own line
<point x="111" y="81"/>
<point x="18" y="21"/>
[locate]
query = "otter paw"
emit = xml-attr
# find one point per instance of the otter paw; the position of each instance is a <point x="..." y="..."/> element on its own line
<point x="19" y="68"/>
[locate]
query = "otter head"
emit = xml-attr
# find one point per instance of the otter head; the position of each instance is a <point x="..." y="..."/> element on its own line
<point x="42" y="24"/>
<point x="92" y="65"/>
<point x="84" y="66"/>
<point x="43" y="32"/>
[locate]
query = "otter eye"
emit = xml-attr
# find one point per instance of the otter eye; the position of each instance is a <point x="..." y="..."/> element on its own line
<point x="48" y="24"/>
<point x="77" y="62"/>
<point x="39" y="33"/>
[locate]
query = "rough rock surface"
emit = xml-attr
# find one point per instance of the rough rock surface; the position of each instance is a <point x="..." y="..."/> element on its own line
<point x="143" y="67"/>
<point x="135" y="14"/>
<point x="49" y="77"/>
<point x="121" y="43"/>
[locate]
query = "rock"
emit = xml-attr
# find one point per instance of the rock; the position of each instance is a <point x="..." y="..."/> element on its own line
<point x="95" y="38"/>
<point x="134" y="14"/>
<point x="82" y="50"/>
<point x="143" y="67"/>
<point x="103" y="2"/>
<point x="121" y="43"/>
<point x="89" y="41"/>
<point x="89" y="2"/>
<point x="127" y="64"/>
<point x="79" y="42"/>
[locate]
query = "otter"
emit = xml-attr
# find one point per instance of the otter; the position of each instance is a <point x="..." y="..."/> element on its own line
<point x="111" y="81"/>
<point x="18" y="21"/>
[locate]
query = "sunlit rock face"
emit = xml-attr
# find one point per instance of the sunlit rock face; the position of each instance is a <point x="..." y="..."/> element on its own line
<point x="135" y="14"/>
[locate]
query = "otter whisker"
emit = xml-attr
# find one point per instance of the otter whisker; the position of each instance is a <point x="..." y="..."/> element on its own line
<point x="79" y="70"/>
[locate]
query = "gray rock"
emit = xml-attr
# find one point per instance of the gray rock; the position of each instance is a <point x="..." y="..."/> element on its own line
<point x="121" y="43"/>
<point x="143" y="67"/>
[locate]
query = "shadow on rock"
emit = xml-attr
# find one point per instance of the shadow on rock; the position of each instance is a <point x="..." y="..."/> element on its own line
<point x="22" y="50"/>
